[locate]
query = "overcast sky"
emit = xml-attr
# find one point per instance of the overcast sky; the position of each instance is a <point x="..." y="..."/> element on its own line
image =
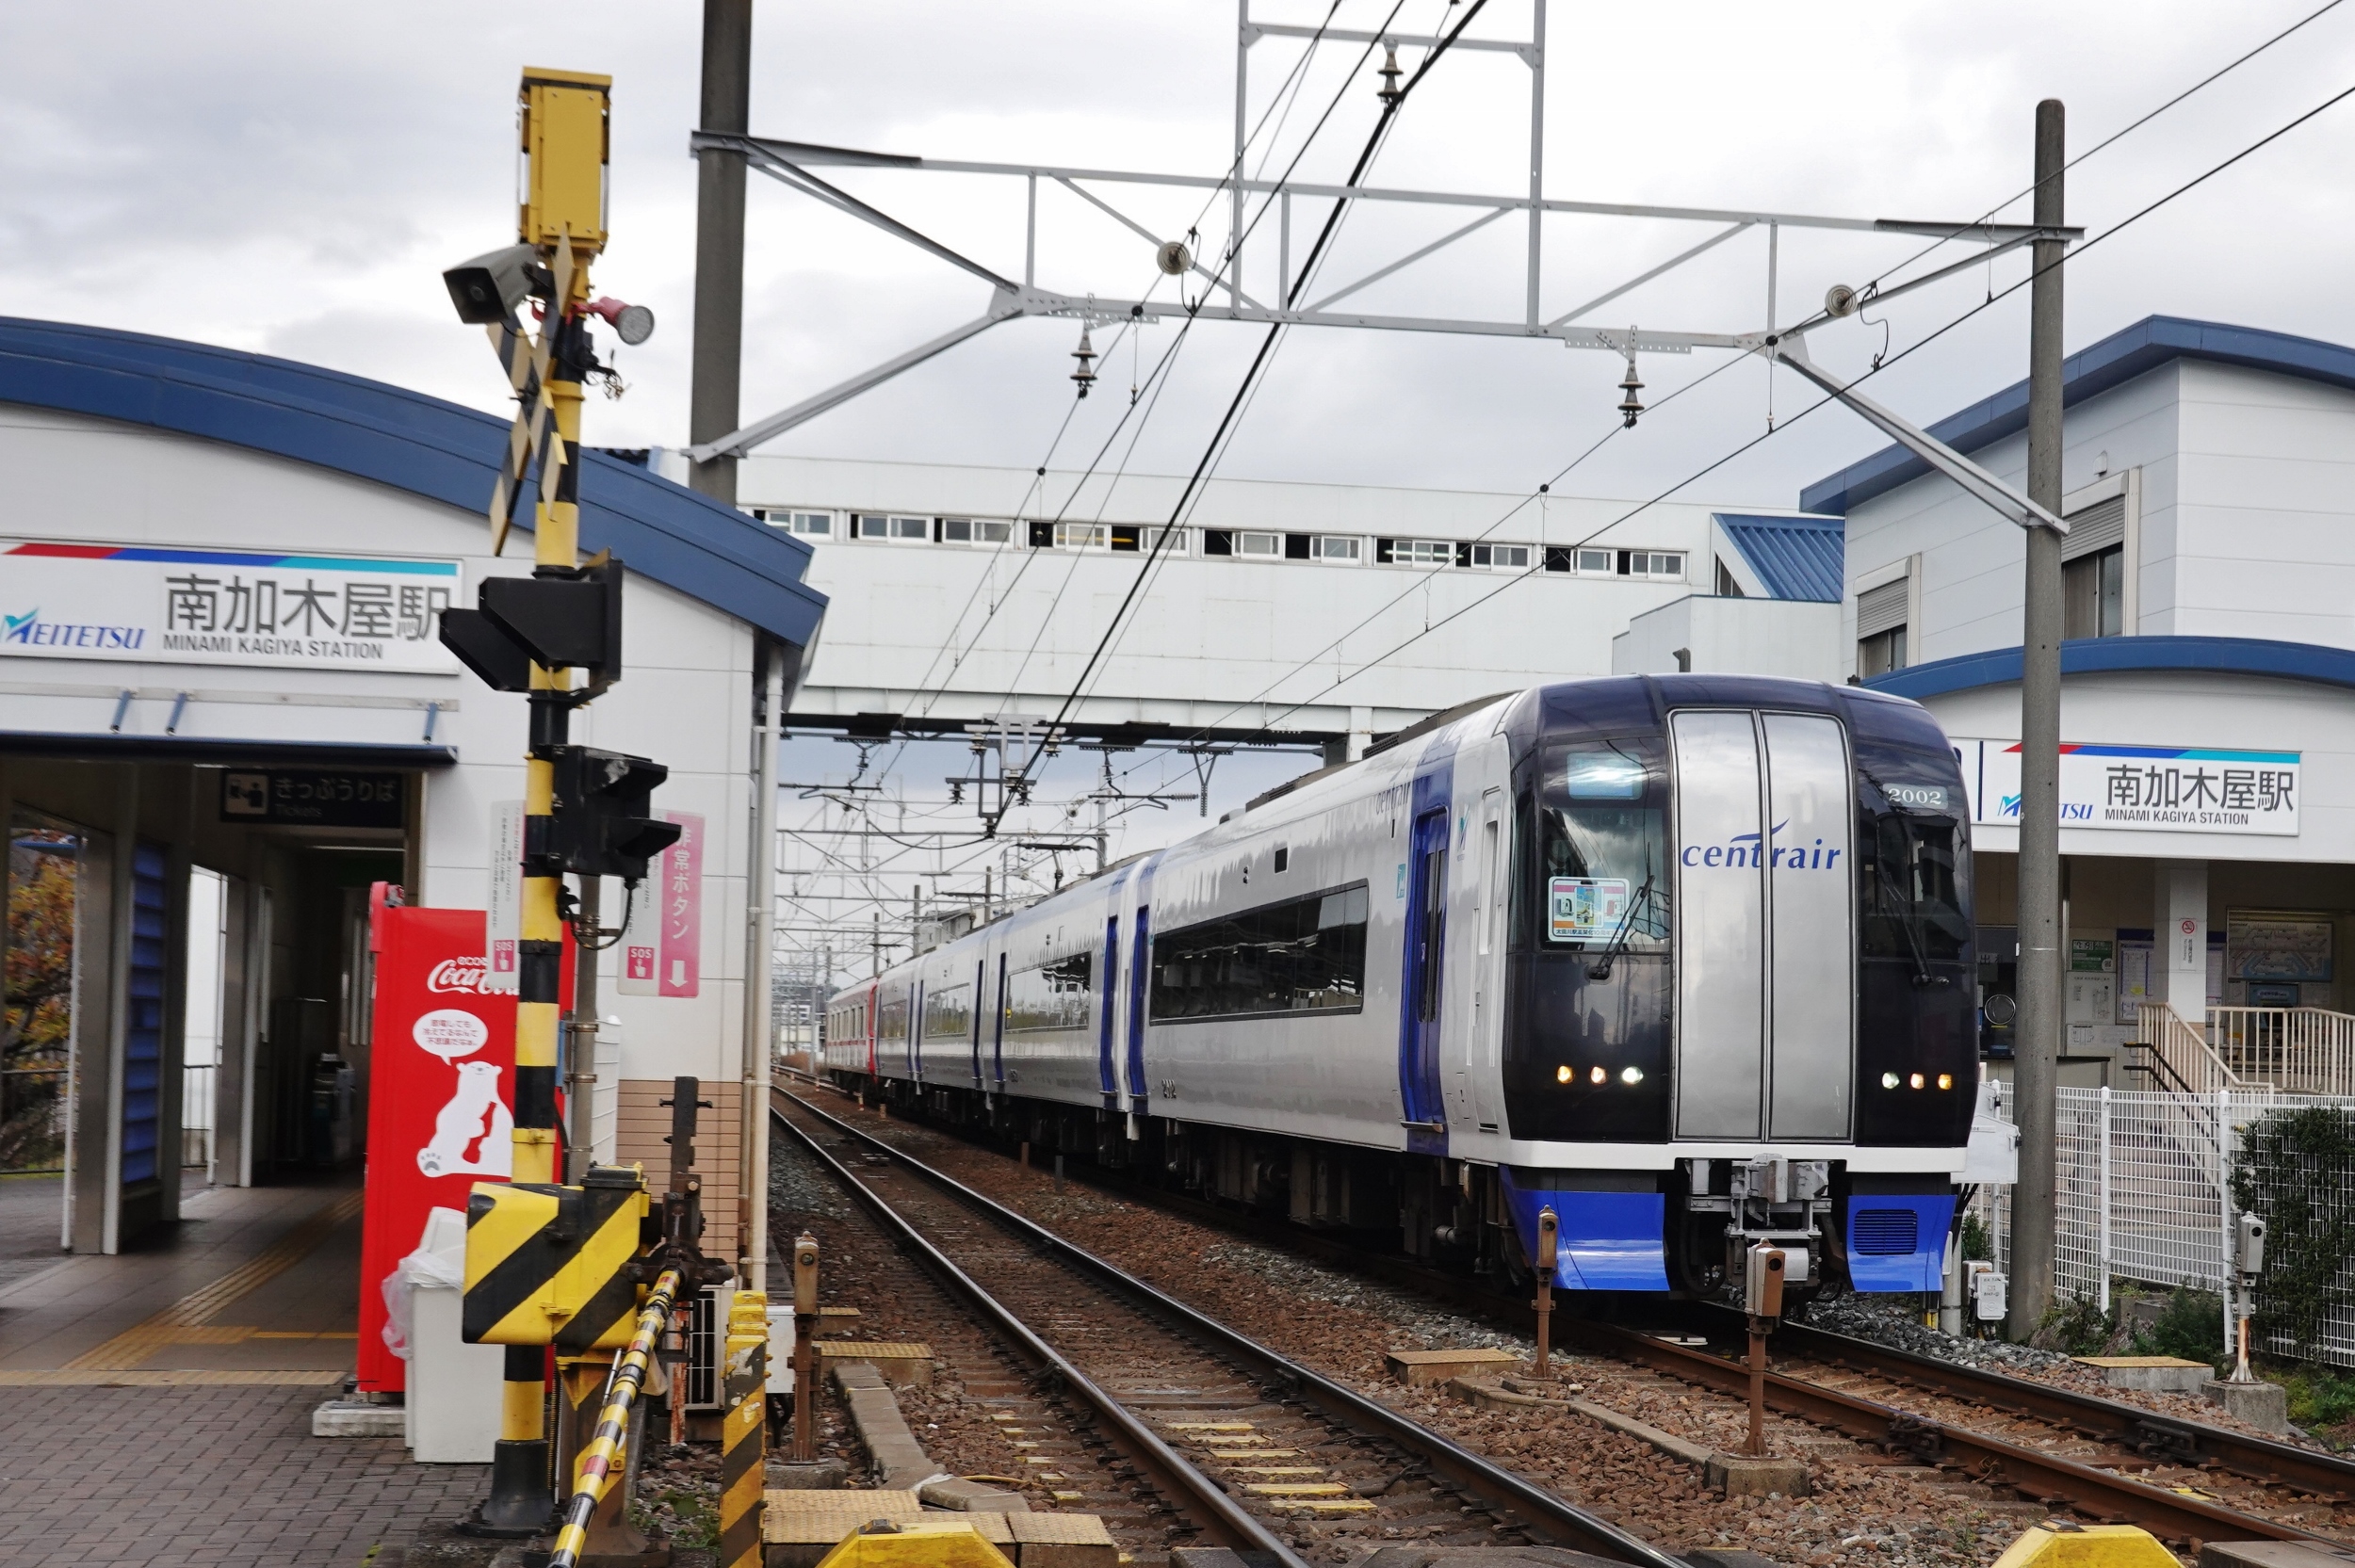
<point x="293" y="177"/>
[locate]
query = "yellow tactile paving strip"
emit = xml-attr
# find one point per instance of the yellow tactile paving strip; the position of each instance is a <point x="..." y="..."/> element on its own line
<point x="134" y="1345"/>
<point x="137" y="1378"/>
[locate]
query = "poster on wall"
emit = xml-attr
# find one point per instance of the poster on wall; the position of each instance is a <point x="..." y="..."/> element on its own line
<point x="2144" y="788"/>
<point x="504" y="929"/>
<point x="172" y="605"/>
<point x="662" y="943"/>
<point x="2134" y="974"/>
<point x="2278" y="947"/>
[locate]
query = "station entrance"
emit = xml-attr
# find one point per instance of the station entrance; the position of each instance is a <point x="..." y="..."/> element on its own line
<point x="187" y="982"/>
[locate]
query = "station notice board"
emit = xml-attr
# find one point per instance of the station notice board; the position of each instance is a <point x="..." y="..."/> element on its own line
<point x="441" y="1095"/>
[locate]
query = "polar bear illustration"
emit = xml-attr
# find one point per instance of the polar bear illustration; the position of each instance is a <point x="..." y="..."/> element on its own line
<point x="474" y="1120"/>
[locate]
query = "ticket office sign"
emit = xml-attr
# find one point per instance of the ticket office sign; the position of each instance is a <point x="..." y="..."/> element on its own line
<point x="2146" y="788"/>
<point x="167" y="605"/>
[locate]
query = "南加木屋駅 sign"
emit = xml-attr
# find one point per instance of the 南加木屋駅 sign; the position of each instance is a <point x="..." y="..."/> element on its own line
<point x="170" y="605"/>
<point x="2144" y="788"/>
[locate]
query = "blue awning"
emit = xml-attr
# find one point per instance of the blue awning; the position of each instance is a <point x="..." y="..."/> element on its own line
<point x="1796" y="557"/>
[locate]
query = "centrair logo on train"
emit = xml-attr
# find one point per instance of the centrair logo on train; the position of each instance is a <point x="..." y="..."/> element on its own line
<point x="1741" y="853"/>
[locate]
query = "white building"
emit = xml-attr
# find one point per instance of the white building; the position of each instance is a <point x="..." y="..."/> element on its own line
<point x="2208" y="775"/>
<point x="221" y="568"/>
<point x="1315" y="611"/>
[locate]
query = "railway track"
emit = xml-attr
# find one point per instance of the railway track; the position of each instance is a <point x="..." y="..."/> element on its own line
<point x="1252" y="1449"/>
<point x="2182" y="1479"/>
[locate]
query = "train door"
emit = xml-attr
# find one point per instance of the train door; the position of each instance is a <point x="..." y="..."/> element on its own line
<point x="1140" y="973"/>
<point x="998" y="1031"/>
<point x="1109" y="991"/>
<point x="981" y="1000"/>
<point x="1492" y="850"/>
<point x="1765" y="1027"/>
<point x="1426" y="955"/>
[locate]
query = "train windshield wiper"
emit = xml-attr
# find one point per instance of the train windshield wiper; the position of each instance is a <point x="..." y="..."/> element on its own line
<point x="1906" y="923"/>
<point x="1600" y="968"/>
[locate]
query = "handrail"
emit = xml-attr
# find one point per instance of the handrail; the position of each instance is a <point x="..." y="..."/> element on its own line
<point x="2309" y="1050"/>
<point x="2185" y="1051"/>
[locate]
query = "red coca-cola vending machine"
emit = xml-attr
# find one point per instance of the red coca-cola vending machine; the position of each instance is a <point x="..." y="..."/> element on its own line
<point x="441" y="1094"/>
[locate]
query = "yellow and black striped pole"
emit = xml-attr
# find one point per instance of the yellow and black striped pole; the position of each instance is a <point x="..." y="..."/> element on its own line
<point x="745" y="1430"/>
<point x="563" y="126"/>
<point x="602" y="1457"/>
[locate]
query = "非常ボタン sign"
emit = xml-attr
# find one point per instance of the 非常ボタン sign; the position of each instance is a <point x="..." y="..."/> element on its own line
<point x="170" y="605"/>
<point x="2144" y="788"/>
<point x="313" y="796"/>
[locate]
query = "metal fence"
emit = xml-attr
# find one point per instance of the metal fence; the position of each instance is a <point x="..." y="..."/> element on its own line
<point x="2143" y="1196"/>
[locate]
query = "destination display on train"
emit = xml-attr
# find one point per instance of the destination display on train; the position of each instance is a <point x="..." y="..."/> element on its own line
<point x="2144" y="788"/>
<point x="173" y="605"/>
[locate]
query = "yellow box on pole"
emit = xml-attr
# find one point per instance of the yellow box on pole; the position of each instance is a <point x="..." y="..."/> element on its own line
<point x="564" y="116"/>
<point x="553" y="1264"/>
<point x="2062" y="1545"/>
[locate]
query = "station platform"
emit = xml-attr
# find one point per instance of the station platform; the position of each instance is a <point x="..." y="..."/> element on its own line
<point x="155" y="1406"/>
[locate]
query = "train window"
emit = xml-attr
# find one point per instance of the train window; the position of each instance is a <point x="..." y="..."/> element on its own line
<point x="1053" y="995"/>
<point x="1303" y="955"/>
<point x="948" y="1013"/>
<point x="891" y="1020"/>
<point x="1602" y="873"/>
<point x="1913" y="907"/>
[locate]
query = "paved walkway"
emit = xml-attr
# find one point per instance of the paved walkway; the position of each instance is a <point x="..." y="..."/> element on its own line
<point x="156" y="1407"/>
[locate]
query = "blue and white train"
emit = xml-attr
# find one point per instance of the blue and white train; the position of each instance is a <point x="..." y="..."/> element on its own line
<point x="1687" y="958"/>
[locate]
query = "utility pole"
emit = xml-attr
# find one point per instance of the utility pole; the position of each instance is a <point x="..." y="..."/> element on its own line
<point x="2037" y="1042"/>
<point x="718" y="373"/>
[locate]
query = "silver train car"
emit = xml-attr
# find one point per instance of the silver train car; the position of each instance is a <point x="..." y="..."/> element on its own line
<point x="1687" y="958"/>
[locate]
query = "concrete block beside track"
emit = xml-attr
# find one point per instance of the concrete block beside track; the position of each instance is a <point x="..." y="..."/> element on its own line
<point x="2275" y="1554"/>
<point x="1423" y="1368"/>
<point x="2152" y="1374"/>
<point x="899" y="1461"/>
<point x="2263" y="1405"/>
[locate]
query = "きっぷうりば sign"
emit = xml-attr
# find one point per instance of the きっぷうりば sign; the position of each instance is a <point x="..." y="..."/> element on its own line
<point x="168" y="604"/>
<point x="662" y="944"/>
<point x="2146" y="788"/>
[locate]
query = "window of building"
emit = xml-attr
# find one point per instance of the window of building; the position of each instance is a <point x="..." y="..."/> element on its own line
<point x="1881" y="628"/>
<point x="1051" y="995"/>
<point x="1415" y="552"/>
<point x="1338" y="548"/>
<point x="974" y="530"/>
<point x="1651" y="563"/>
<point x="1726" y="586"/>
<point x="2093" y="593"/>
<point x="1509" y="557"/>
<point x="1131" y="537"/>
<point x="2093" y="571"/>
<point x="1265" y="546"/>
<point x="809" y="524"/>
<point x="897" y="530"/>
<point x="1303" y="955"/>
<point x="1083" y="536"/>
<point x="1218" y="541"/>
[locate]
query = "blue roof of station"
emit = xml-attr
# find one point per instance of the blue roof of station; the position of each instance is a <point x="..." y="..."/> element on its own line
<point x="2153" y="341"/>
<point x="662" y="530"/>
<point x="1796" y="557"/>
<point x="2226" y="656"/>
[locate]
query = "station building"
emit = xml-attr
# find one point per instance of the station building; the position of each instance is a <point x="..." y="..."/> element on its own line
<point x="224" y="714"/>
<point x="2208" y="766"/>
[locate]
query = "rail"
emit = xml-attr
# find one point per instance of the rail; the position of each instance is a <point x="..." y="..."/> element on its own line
<point x="1541" y="1510"/>
<point x="2304" y="1050"/>
<point x="2180" y="1054"/>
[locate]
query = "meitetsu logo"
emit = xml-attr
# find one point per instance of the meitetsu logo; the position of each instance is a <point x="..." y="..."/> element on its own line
<point x="31" y="631"/>
<point x="1742" y="852"/>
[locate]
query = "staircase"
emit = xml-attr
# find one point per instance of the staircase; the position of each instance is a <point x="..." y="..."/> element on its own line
<point x="2297" y="1050"/>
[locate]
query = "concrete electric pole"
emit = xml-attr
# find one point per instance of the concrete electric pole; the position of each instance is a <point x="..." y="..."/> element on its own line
<point x="718" y="374"/>
<point x="2037" y="1042"/>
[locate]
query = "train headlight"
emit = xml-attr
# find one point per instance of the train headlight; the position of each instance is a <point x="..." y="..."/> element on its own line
<point x="1563" y="1073"/>
<point x="1888" y="1080"/>
<point x="1945" y="1080"/>
<point x="1914" y="1082"/>
<point x="1599" y="1075"/>
<point x="1631" y="1075"/>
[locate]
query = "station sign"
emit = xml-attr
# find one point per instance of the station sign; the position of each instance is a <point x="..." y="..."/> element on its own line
<point x="171" y="605"/>
<point x="2144" y="788"/>
<point x="663" y="942"/>
<point x="314" y="797"/>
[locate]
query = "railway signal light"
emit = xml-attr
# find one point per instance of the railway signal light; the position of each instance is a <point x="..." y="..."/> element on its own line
<point x="559" y="618"/>
<point x="604" y="823"/>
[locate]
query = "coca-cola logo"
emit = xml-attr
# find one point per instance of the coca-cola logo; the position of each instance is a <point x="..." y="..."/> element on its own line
<point x="458" y="973"/>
